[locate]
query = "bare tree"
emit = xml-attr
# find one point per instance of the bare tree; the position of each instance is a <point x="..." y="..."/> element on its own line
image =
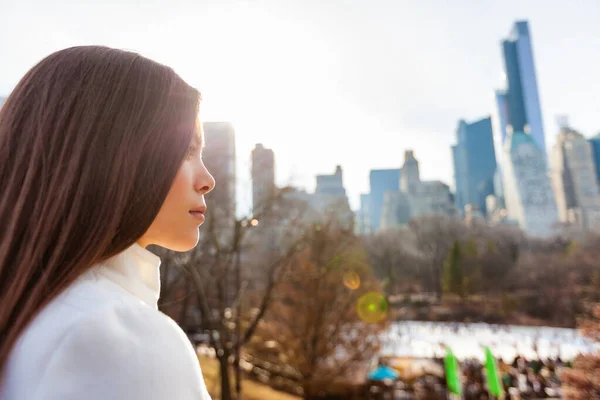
<point x="394" y="258"/>
<point x="434" y="236"/>
<point x="315" y="322"/>
<point x="499" y="251"/>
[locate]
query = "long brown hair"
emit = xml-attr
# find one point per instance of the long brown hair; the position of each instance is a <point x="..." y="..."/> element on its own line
<point x="90" y="142"/>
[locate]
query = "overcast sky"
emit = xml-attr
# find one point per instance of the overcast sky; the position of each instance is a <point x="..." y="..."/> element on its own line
<point x="333" y="82"/>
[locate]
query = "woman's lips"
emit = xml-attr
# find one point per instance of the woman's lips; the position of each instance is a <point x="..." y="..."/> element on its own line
<point x="199" y="215"/>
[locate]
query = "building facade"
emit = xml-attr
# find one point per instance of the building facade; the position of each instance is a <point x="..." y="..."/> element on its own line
<point x="528" y="194"/>
<point x="263" y="177"/>
<point x="517" y="105"/>
<point x="595" y="144"/>
<point x="415" y="198"/>
<point x="474" y="164"/>
<point x="410" y="178"/>
<point x="500" y="128"/>
<point x="522" y="104"/>
<point x="396" y="209"/>
<point x="432" y="198"/>
<point x="380" y="182"/>
<point x="330" y="196"/>
<point x="574" y="180"/>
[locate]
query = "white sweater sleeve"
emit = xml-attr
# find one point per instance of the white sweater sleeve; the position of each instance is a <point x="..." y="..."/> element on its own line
<point x="128" y="352"/>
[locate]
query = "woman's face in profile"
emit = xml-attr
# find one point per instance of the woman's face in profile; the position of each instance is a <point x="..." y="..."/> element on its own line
<point x="176" y="225"/>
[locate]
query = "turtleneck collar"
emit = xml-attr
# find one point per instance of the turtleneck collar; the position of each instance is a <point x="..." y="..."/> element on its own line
<point x="137" y="271"/>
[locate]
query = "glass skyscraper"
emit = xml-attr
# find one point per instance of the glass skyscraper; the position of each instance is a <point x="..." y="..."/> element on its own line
<point x="474" y="164"/>
<point x="519" y="104"/>
<point x="595" y="143"/>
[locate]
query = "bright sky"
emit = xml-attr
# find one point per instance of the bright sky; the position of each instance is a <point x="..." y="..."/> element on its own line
<point x="326" y="82"/>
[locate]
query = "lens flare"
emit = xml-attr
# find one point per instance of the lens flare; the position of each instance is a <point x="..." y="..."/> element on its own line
<point x="372" y="307"/>
<point x="351" y="280"/>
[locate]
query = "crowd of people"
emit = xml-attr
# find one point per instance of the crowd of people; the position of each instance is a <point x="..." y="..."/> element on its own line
<point x="521" y="378"/>
<point x="532" y="378"/>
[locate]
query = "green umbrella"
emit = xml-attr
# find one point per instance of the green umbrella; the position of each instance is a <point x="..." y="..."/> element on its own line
<point x="491" y="374"/>
<point x="452" y="373"/>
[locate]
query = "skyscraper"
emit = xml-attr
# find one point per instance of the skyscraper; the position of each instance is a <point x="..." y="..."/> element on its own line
<point x="396" y="210"/>
<point x="528" y="194"/>
<point x="574" y="179"/>
<point x="380" y="182"/>
<point x="263" y="177"/>
<point x="595" y="143"/>
<point x="432" y="198"/>
<point x="416" y="198"/>
<point x="410" y="178"/>
<point x="219" y="158"/>
<point x="330" y="196"/>
<point x="331" y="185"/>
<point x="474" y="164"/>
<point x="519" y="107"/>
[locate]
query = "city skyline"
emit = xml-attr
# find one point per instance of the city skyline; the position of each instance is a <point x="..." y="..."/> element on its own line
<point x="321" y="92"/>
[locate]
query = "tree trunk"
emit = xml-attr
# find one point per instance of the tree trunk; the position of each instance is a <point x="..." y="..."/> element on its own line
<point x="436" y="280"/>
<point x="225" y="378"/>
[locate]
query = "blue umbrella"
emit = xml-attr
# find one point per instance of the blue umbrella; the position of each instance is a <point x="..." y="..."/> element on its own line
<point x="382" y="373"/>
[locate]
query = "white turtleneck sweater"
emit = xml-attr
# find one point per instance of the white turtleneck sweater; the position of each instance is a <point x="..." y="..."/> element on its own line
<point x="104" y="338"/>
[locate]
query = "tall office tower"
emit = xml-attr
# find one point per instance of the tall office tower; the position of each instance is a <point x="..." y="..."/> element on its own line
<point x="263" y="177"/>
<point x="416" y="198"/>
<point x="474" y="164"/>
<point x="518" y="105"/>
<point x="528" y="194"/>
<point x="595" y="143"/>
<point x="410" y="177"/>
<point x="574" y="179"/>
<point x="330" y="196"/>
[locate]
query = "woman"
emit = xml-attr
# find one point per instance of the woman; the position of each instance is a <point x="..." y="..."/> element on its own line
<point x="100" y="156"/>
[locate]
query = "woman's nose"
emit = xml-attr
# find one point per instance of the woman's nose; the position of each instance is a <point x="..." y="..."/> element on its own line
<point x="205" y="182"/>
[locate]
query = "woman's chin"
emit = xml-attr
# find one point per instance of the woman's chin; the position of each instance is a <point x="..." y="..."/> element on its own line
<point x="183" y="244"/>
